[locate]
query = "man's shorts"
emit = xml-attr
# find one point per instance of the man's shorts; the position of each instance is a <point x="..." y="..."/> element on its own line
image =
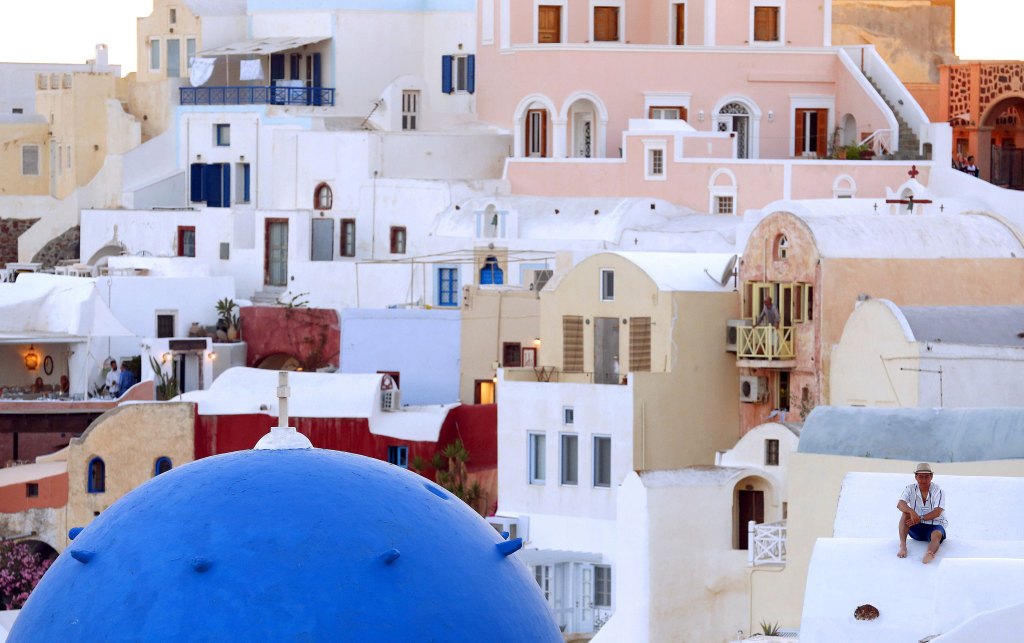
<point x="923" y="532"/>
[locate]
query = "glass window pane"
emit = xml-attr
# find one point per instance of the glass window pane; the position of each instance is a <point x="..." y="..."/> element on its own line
<point x="570" y="459"/>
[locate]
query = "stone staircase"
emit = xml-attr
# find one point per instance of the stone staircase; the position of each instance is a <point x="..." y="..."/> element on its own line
<point x="267" y="297"/>
<point x="909" y="144"/>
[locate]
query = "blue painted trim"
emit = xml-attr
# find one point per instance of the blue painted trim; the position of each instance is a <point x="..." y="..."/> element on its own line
<point x="156" y="465"/>
<point x="74" y="531"/>
<point x="252" y="95"/>
<point x="509" y="547"/>
<point x="102" y="478"/>
<point x="83" y="555"/>
<point x="448" y="293"/>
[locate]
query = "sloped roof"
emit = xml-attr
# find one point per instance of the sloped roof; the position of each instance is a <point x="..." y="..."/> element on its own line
<point x="51" y="306"/>
<point x="933" y="236"/>
<point x="683" y="271"/>
<point x="920" y="435"/>
<point x="217" y="7"/>
<point x="984" y="325"/>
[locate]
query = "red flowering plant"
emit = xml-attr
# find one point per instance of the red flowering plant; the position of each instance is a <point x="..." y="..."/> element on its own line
<point x="20" y="570"/>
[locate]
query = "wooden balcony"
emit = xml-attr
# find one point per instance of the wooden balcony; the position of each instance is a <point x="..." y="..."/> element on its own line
<point x="765" y="346"/>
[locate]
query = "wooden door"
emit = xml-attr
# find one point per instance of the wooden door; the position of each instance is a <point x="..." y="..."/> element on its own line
<point x="751" y="507"/>
<point x="549" y="23"/>
<point x="680" y="24"/>
<point x="606" y="350"/>
<point x="811" y="132"/>
<point x="275" y="257"/>
<point x="606" y="24"/>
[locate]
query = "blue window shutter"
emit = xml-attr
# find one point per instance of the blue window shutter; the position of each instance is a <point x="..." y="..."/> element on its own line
<point x="196" y="183"/>
<point x="317" y="84"/>
<point x="211" y="185"/>
<point x="471" y="73"/>
<point x="446" y="74"/>
<point x="226" y="185"/>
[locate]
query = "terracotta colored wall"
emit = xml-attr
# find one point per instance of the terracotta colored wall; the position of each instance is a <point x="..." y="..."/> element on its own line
<point x="53" y="492"/>
<point x="310" y="335"/>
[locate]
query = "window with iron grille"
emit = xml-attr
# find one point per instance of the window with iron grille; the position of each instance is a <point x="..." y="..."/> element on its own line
<point x="572" y="343"/>
<point x="410" y="109"/>
<point x="723" y="205"/>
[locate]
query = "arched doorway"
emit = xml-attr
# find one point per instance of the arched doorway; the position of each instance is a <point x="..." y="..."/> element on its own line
<point x="735" y="117"/>
<point x="1003" y="122"/>
<point x="753" y="500"/>
<point x="849" y="130"/>
<point x="583" y="123"/>
<point x="491" y="273"/>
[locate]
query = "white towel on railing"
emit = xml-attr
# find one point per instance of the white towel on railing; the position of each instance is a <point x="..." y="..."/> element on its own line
<point x="202" y="69"/>
<point x="250" y="70"/>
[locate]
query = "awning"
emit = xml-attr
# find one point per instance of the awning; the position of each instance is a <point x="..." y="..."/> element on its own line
<point x="261" y="46"/>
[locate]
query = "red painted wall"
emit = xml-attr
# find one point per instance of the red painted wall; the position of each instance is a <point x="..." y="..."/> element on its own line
<point x="53" y="492"/>
<point x="310" y="335"/>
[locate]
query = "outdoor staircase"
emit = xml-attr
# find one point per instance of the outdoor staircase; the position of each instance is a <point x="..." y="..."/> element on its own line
<point x="909" y="144"/>
<point x="266" y="297"/>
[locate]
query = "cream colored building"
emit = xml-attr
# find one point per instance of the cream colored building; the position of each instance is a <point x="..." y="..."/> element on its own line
<point x="836" y="441"/>
<point x="940" y="356"/>
<point x="122" y="449"/>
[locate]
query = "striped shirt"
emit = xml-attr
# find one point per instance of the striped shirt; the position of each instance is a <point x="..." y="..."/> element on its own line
<point x="924" y="506"/>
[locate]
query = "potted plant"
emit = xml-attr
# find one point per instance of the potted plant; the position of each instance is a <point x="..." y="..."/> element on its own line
<point x="226" y="319"/>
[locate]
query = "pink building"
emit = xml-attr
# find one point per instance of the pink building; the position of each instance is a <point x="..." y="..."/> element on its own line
<point x="716" y="104"/>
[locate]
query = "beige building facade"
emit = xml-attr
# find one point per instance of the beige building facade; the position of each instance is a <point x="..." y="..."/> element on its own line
<point x="121" y="450"/>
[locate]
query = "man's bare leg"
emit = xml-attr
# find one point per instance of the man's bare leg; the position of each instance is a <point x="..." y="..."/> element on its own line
<point x="933" y="547"/>
<point x="904" y="529"/>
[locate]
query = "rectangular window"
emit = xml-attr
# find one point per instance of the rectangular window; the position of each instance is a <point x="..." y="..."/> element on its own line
<point x="538" y="458"/>
<point x="32" y="490"/>
<point x="570" y="459"/>
<point x="242" y="179"/>
<point x="537" y="133"/>
<point x="512" y="354"/>
<point x="173" y="16"/>
<point x="154" y="55"/>
<point x="572" y="343"/>
<point x="640" y="344"/>
<point x="165" y="324"/>
<point x="222" y="134"/>
<point x="568" y="415"/>
<point x="606" y="24"/>
<point x="679" y="23"/>
<point x="602" y="586"/>
<point x="186" y="241"/>
<point x="771" y="453"/>
<point x="410" y="109"/>
<point x="60" y="159"/>
<point x="602" y="461"/>
<point x="724" y="205"/>
<point x="766" y="24"/>
<point x="190" y="52"/>
<point x="68" y="155"/>
<point x="655" y="163"/>
<point x="348" y="237"/>
<point x="458" y="73"/>
<point x="542" y="574"/>
<point x="30" y="160"/>
<point x="295" y="66"/>
<point x="461" y="73"/>
<point x="322" y="243"/>
<point x="549" y="24"/>
<point x="399" y="456"/>
<point x="667" y="113"/>
<point x="607" y="284"/>
<point x="173" y="58"/>
<point x="225" y="250"/>
<point x="811" y="132"/>
<point x="398" y="240"/>
<point x="448" y="286"/>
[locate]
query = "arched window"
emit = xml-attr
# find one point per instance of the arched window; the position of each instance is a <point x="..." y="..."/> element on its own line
<point x="97" y="481"/>
<point x="162" y="465"/>
<point x="323" y="197"/>
<point x="491" y="273"/>
<point x="781" y="247"/>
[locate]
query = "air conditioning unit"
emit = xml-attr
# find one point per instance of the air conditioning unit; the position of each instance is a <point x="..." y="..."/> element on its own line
<point x="391" y="400"/>
<point x="732" y="333"/>
<point x="753" y="388"/>
<point x="540" y="279"/>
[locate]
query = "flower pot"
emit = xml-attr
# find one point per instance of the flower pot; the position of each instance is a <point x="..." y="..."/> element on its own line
<point x="232" y="333"/>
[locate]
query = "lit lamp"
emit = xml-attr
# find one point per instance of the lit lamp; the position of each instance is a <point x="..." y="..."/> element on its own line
<point x="536" y="342"/>
<point x="31" y="358"/>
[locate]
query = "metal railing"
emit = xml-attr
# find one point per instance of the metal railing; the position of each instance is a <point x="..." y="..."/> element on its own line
<point x="252" y="95"/>
<point x="767" y="543"/>
<point x="764" y="342"/>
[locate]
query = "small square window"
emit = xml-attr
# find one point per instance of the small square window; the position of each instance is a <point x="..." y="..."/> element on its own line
<point x="222" y="133"/>
<point x="568" y="415"/>
<point x="186" y="241"/>
<point x="17" y="110"/>
<point x="32" y="490"/>
<point x="766" y="24"/>
<point x="724" y="205"/>
<point x="607" y="284"/>
<point x="399" y="456"/>
<point x="165" y="324"/>
<point x="771" y="453"/>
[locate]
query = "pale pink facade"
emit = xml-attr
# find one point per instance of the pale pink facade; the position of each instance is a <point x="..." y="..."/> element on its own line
<point x="607" y="85"/>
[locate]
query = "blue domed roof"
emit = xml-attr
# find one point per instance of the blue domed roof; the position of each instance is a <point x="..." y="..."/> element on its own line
<point x="300" y="544"/>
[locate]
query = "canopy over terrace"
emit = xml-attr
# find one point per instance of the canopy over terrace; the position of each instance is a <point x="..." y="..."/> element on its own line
<point x="290" y="66"/>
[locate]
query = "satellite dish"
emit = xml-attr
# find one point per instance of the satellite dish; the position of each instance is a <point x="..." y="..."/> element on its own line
<point x="727" y="273"/>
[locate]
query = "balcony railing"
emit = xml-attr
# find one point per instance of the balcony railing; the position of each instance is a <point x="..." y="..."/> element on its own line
<point x="767" y="543"/>
<point x="764" y="342"/>
<point x="251" y="95"/>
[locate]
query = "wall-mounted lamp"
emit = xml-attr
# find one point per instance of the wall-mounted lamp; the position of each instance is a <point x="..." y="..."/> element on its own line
<point x="242" y="157"/>
<point x="536" y="342"/>
<point x="31" y="358"/>
<point x="199" y="157"/>
<point x="211" y="356"/>
<point x="700" y="116"/>
<point x="165" y="357"/>
<point x="771" y="116"/>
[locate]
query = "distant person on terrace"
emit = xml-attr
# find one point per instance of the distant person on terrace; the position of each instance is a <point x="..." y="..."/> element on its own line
<point x="112" y="378"/>
<point x="126" y="380"/>
<point x="922" y="506"/>
<point x="769" y="314"/>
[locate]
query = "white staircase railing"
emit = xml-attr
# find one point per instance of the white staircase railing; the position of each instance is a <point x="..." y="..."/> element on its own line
<point x="766" y="543"/>
<point x="880" y="141"/>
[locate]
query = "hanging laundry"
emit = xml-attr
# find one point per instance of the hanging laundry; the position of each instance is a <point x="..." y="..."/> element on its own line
<point x="202" y="69"/>
<point x="250" y="70"/>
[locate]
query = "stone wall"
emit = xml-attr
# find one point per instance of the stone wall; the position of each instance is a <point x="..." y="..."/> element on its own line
<point x="913" y="36"/>
<point x="10" y="230"/>
<point x="61" y="248"/>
